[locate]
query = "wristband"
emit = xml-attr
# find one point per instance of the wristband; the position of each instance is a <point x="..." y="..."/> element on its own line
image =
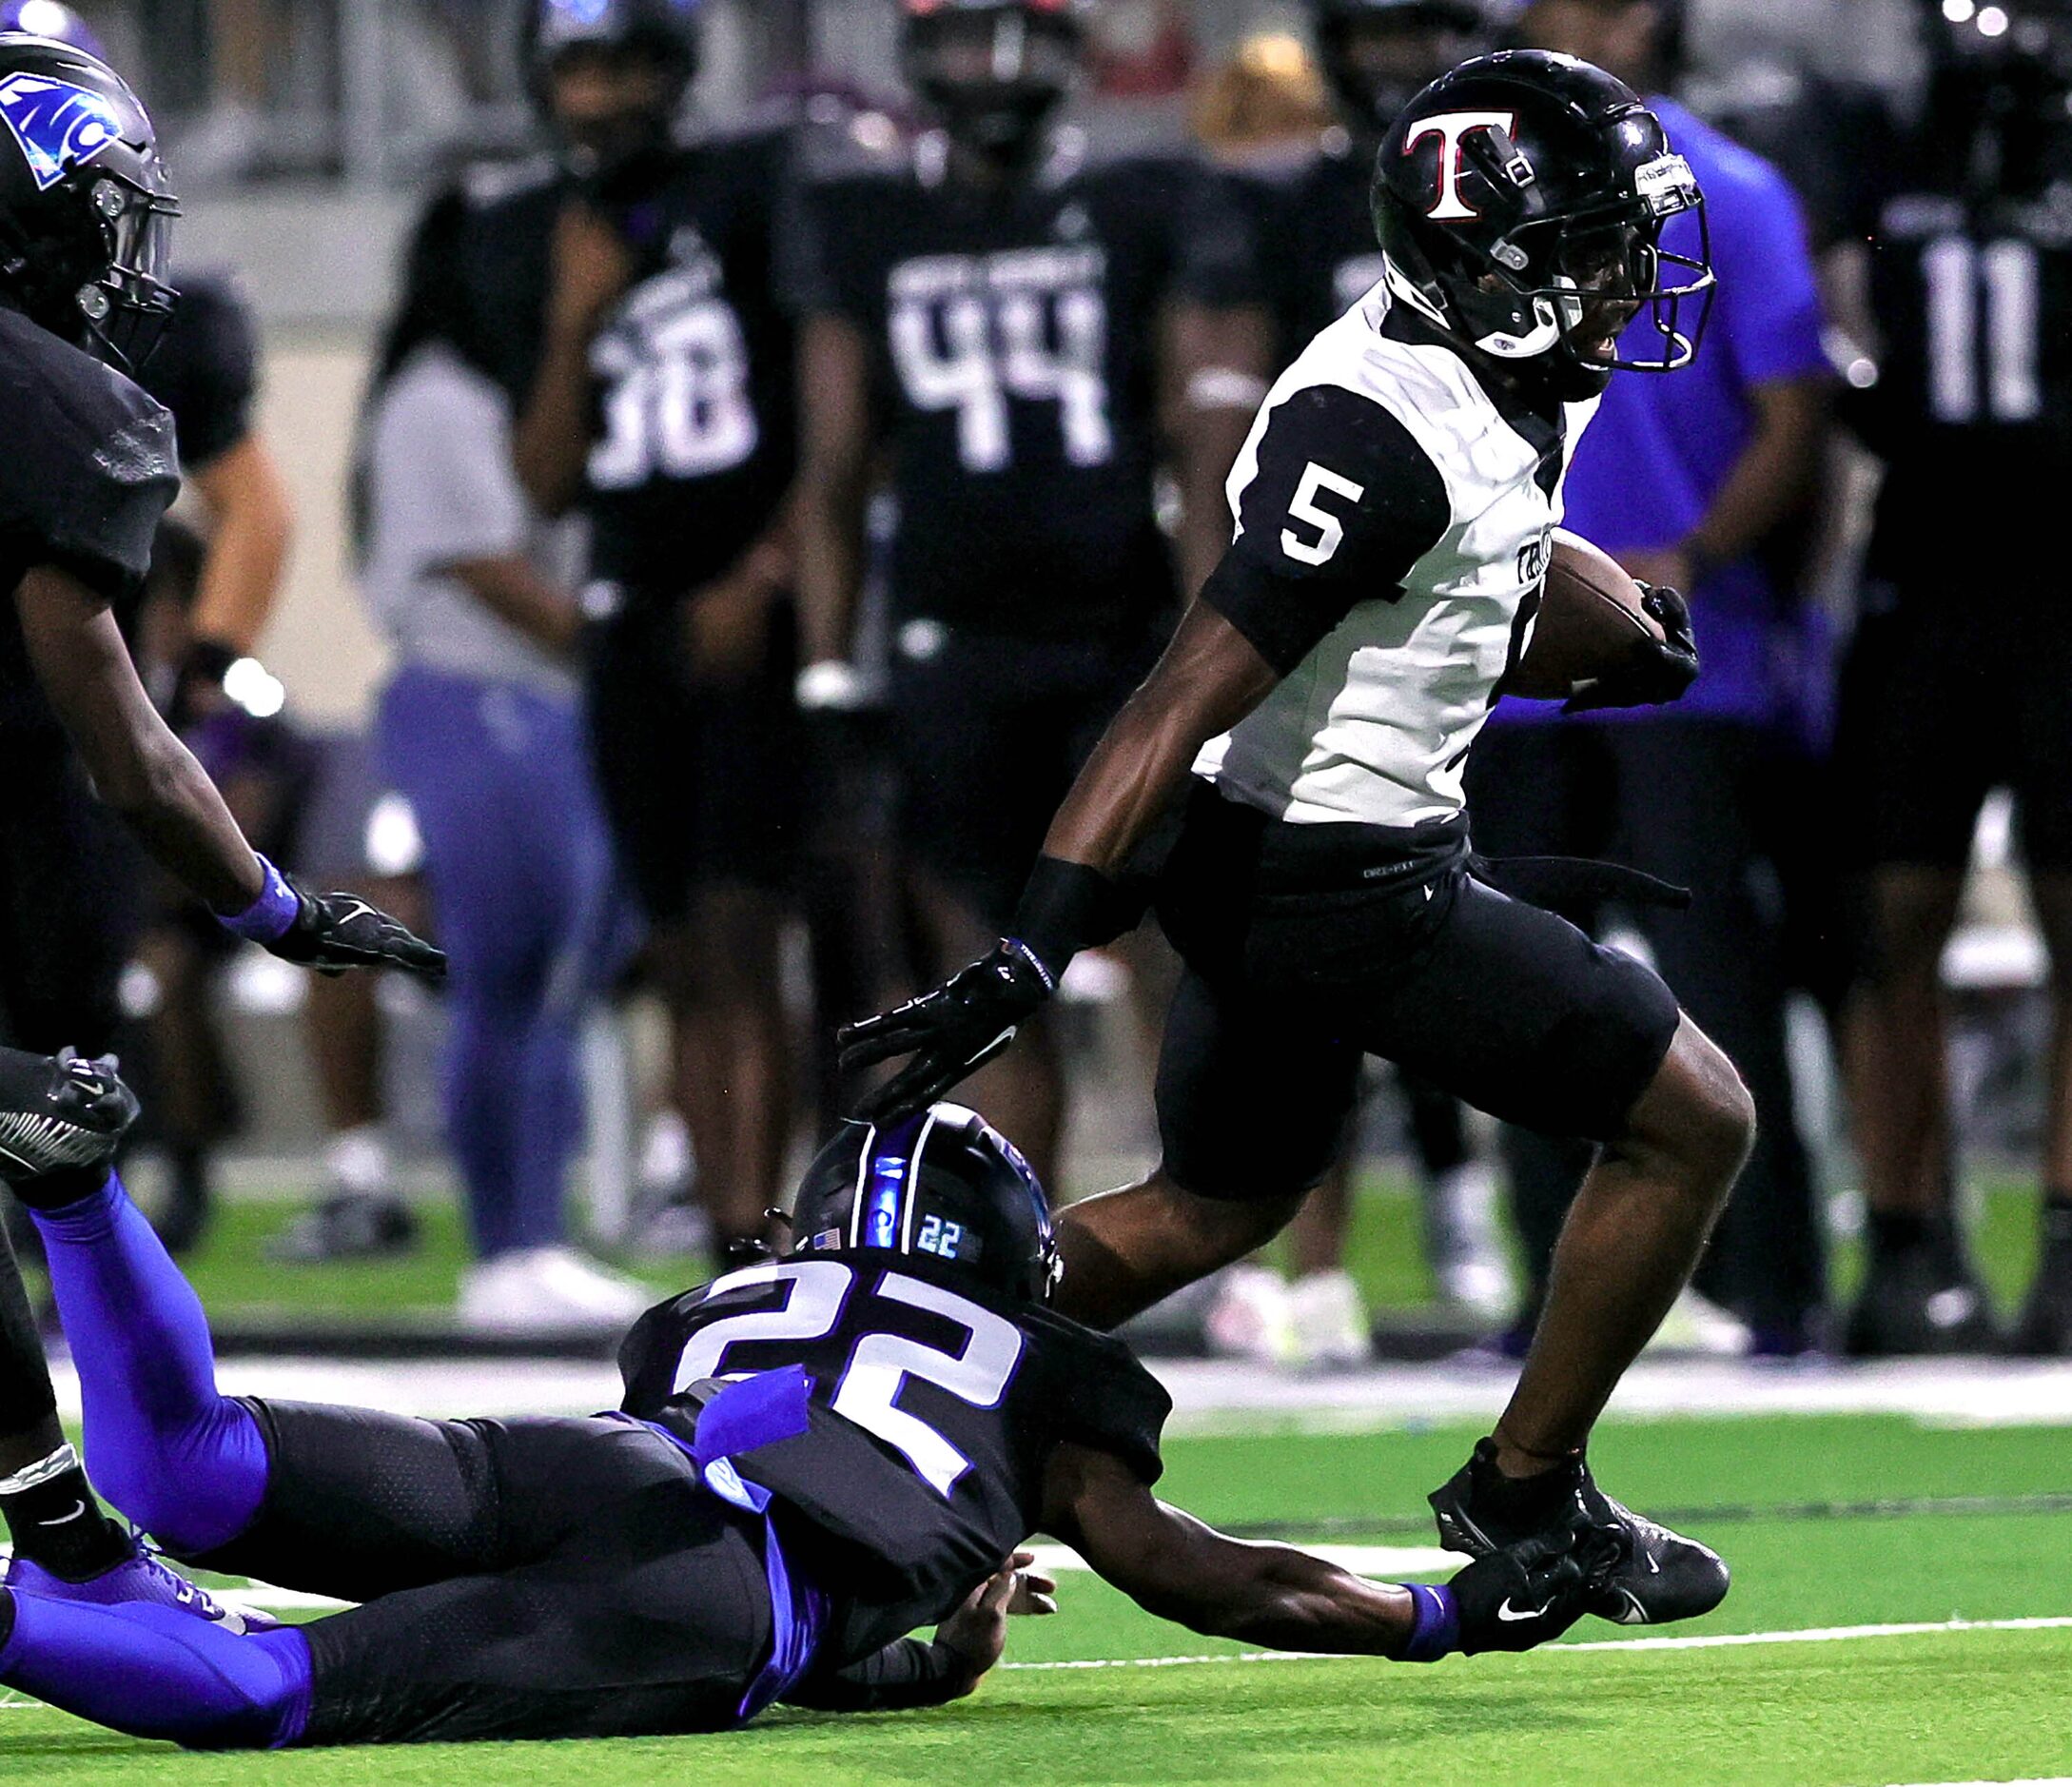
<point x="1062" y="911"/>
<point x="1436" y="1633"/>
<point x="269" y="917"/>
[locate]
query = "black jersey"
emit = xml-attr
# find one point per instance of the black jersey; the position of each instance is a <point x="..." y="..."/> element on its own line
<point x="1319" y="221"/>
<point x="1015" y="336"/>
<point x="1974" y="397"/>
<point x="89" y="470"/>
<point x="927" y="1419"/>
<point x="696" y="433"/>
<point x="206" y="368"/>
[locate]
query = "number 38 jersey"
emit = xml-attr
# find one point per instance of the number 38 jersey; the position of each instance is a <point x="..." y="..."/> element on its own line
<point x="695" y="440"/>
<point x="1393" y="517"/>
<point x="927" y="1421"/>
<point x="1974" y="396"/>
<point x="1014" y="335"/>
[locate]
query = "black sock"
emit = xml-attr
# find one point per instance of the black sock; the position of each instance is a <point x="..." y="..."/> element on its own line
<point x="2057" y="1217"/>
<point x="1523" y="1503"/>
<point x="1899" y="1231"/>
<point x="57" y="1524"/>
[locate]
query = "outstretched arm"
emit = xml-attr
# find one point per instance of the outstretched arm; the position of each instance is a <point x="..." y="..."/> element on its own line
<point x="149" y="778"/>
<point x="1175" y="1566"/>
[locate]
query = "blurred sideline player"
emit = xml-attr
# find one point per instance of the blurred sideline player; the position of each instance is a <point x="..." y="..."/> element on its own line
<point x="1317" y="224"/>
<point x="1028" y="332"/>
<point x="760" y="1523"/>
<point x="1698" y="482"/>
<point x="86" y="213"/>
<point x="480" y="729"/>
<point x="1959" y="676"/>
<point x="632" y="290"/>
<point x="1396" y="503"/>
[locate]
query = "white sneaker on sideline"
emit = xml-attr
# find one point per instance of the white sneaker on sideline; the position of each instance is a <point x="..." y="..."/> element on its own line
<point x="1330" y="1320"/>
<point x="1468" y="1257"/>
<point x="1250" y="1317"/>
<point x="1697" y="1324"/>
<point x="548" y="1290"/>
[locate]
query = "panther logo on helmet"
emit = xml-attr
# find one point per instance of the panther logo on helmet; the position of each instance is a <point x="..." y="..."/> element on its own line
<point x="57" y="125"/>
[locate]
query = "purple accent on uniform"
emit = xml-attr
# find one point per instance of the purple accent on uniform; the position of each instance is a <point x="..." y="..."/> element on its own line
<point x="180" y="1458"/>
<point x="1035" y="961"/>
<point x="499" y="777"/>
<point x="159" y="1672"/>
<point x="1438" y="1630"/>
<point x="889" y="1183"/>
<point x="1661" y="448"/>
<point x="763" y="1410"/>
<point x="267" y="918"/>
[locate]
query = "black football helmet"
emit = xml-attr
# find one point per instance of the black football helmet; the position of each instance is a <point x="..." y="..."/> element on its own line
<point x="993" y="71"/>
<point x="662" y="31"/>
<point x="1379" y="53"/>
<point x="943" y="1186"/>
<point x="86" y="204"/>
<point x="1520" y="201"/>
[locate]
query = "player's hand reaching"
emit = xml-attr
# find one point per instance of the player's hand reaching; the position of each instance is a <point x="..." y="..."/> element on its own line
<point x="332" y="933"/>
<point x="1529" y="1592"/>
<point x="976" y="1633"/>
<point x="950" y="1033"/>
<point x="1658" y="671"/>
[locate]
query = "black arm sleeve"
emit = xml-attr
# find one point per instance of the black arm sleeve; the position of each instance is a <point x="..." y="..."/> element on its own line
<point x="907" y="1672"/>
<point x="1342" y="504"/>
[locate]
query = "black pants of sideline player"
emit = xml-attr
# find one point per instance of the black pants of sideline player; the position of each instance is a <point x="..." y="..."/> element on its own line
<point x="1690" y="800"/>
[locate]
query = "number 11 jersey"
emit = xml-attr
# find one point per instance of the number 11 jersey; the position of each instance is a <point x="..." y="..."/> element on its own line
<point x="914" y="1461"/>
<point x="1014" y="335"/>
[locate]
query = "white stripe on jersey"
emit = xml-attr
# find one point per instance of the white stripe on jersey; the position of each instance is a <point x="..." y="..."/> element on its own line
<point x="1374" y="726"/>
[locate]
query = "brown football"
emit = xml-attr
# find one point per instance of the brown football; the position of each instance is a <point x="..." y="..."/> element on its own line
<point x="1588" y="613"/>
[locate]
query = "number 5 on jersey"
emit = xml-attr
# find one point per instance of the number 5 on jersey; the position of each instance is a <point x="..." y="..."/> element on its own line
<point x="1316" y="481"/>
<point x="880" y="1364"/>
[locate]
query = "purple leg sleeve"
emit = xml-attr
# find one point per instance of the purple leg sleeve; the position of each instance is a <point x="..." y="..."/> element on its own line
<point x="181" y="1460"/>
<point x="161" y="1672"/>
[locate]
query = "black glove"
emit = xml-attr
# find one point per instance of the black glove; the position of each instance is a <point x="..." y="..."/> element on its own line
<point x="59" y="1114"/>
<point x="1531" y="1591"/>
<point x="950" y="1033"/>
<point x="1658" y="671"/>
<point x="335" y="932"/>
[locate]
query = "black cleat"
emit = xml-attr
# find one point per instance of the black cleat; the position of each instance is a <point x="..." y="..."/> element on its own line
<point x="1660" y="1577"/>
<point x="1919" y="1301"/>
<point x="2044" y="1330"/>
<point x="60" y="1114"/>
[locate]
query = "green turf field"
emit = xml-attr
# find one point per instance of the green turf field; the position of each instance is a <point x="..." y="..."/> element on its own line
<point x="1975" y="1526"/>
<point x="234" y="1277"/>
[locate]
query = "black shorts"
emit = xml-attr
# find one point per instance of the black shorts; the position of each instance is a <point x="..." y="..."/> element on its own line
<point x="988" y="734"/>
<point x="1306" y="953"/>
<point x="700" y="781"/>
<point x="543" y="1578"/>
<point x="1947" y="695"/>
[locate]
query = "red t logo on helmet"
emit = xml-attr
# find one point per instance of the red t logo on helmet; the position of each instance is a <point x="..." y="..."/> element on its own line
<point x="1451" y="129"/>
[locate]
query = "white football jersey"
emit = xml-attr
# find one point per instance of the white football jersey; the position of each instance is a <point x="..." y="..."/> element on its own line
<point x="1394" y="520"/>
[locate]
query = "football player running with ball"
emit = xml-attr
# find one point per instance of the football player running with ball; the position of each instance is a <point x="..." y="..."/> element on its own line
<point x="814" y="1456"/>
<point x="1395" y="508"/>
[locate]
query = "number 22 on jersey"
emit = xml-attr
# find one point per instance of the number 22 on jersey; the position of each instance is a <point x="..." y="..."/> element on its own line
<point x="880" y="1364"/>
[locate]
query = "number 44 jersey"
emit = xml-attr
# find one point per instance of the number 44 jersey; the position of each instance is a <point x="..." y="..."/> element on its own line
<point x="1014" y="334"/>
<point x="913" y="1463"/>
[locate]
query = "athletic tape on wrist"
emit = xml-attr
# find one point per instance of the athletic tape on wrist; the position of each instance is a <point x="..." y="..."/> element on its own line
<point x="267" y="918"/>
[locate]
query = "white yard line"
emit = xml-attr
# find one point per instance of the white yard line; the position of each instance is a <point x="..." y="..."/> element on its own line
<point x="1722" y="1640"/>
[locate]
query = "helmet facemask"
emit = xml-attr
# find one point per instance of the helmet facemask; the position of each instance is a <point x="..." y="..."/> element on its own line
<point x="126" y="308"/>
<point x="994" y="75"/>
